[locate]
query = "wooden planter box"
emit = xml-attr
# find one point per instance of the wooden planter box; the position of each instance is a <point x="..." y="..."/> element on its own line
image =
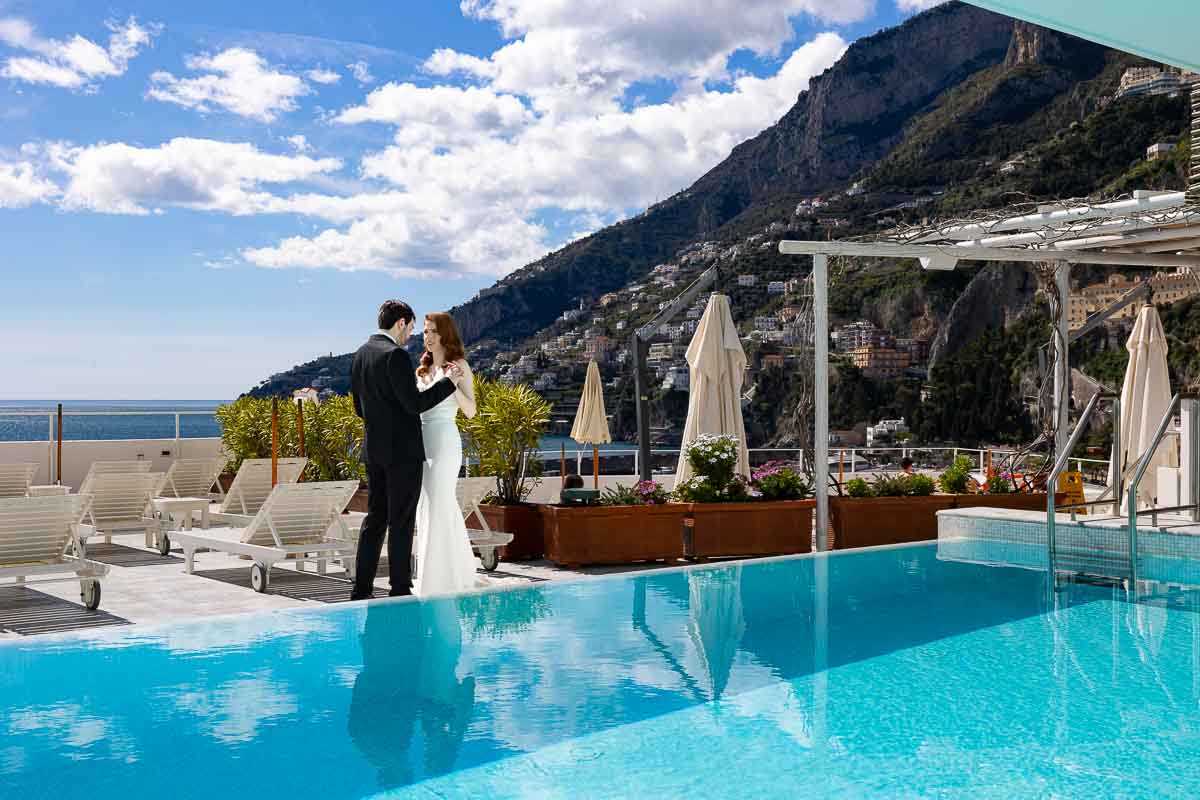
<point x="869" y="521"/>
<point x="749" y="529"/>
<point x="1033" y="501"/>
<point x="578" y="535"/>
<point x="524" y="523"/>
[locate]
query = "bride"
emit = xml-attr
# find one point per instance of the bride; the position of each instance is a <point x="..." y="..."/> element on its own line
<point x="445" y="561"/>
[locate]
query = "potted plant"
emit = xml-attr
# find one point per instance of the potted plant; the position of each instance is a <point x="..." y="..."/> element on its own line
<point x="891" y="510"/>
<point x="999" y="491"/>
<point x="632" y="523"/>
<point x="732" y="516"/>
<point x="501" y="439"/>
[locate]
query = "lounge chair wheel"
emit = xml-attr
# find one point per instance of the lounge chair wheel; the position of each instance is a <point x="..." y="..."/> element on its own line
<point x="490" y="559"/>
<point x="164" y="544"/>
<point x="90" y="594"/>
<point x="258" y="578"/>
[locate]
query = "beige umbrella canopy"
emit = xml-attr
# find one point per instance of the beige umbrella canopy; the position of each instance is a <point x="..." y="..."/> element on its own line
<point x="591" y="423"/>
<point x="1145" y="395"/>
<point x="718" y="366"/>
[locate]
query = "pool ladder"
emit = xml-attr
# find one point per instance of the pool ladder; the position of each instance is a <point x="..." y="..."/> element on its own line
<point x="1120" y="563"/>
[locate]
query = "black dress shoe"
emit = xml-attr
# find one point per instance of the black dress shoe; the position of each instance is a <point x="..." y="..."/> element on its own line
<point x="404" y="593"/>
<point x="354" y="597"/>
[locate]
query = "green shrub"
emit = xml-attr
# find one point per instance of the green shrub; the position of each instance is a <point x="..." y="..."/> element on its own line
<point x="957" y="476"/>
<point x="1000" y="483"/>
<point x="920" y="485"/>
<point x="891" y="485"/>
<point x="332" y="435"/>
<point x="857" y="487"/>
<point x="502" y="437"/>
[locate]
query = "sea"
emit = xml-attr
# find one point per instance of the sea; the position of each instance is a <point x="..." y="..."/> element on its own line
<point x="31" y="421"/>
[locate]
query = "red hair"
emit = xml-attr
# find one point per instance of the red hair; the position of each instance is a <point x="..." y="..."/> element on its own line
<point x="451" y="341"/>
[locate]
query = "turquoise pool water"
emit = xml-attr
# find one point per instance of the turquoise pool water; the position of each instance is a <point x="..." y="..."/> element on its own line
<point x="886" y="673"/>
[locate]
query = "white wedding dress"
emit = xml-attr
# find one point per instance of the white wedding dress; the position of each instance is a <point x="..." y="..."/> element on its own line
<point x="445" y="562"/>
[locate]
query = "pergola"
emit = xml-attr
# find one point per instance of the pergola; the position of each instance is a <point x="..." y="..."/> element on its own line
<point x="1149" y="230"/>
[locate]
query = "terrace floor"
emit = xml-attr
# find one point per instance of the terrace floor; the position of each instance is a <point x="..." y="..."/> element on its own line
<point x="144" y="587"/>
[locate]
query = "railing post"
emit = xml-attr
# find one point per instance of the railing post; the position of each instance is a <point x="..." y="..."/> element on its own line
<point x="636" y="471"/>
<point x="178" y="442"/>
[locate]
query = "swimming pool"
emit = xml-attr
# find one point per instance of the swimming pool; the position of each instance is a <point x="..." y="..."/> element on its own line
<point x="883" y="673"/>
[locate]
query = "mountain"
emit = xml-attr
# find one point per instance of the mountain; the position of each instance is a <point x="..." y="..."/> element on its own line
<point x="850" y="116"/>
<point x="921" y="120"/>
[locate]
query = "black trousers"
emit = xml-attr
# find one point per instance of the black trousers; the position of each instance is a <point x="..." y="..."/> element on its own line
<point x="392" y="495"/>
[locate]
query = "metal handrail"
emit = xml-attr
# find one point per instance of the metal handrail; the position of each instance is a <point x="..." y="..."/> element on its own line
<point x="1143" y="465"/>
<point x="1059" y="465"/>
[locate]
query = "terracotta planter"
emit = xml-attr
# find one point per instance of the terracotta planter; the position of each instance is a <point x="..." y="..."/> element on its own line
<point x="749" y="529"/>
<point x="225" y="479"/>
<point x="524" y="523"/>
<point x="869" y="521"/>
<point x="1032" y="501"/>
<point x="578" y="535"/>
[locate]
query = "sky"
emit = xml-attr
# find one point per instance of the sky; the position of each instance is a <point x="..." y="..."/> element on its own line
<point x="194" y="196"/>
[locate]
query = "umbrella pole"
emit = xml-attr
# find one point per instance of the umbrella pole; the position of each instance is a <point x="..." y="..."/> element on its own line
<point x="300" y="424"/>
<point x="595" y="468"/>
<point x="58" y="456"/>
<point x="274" y="441"/>
<point x="562" y="465"/>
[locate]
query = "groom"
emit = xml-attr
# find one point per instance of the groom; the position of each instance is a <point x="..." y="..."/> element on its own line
<point x="384" y="384"/>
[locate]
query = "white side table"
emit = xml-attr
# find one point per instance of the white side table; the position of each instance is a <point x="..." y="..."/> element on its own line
<point x="184" y="507"/>
<point x="49" y="490"/>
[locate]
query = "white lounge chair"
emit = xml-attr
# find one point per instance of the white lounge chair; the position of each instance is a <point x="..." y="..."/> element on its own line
<point x="297" y="522"/>
<point x="15" y="479"/>
<point x="121" y="503"/>
<point x="112" y="467"/>
<point x="251" y="487"/>
<point x="486" y="541"/>
<point x="193" y="477"/>
<point x="41" y="538"/>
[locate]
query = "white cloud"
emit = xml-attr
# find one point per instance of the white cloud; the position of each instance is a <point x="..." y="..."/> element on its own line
<point x="199" y="174"/>
<point x="464" y="203"/>
<point x="299" y="143"/>
<point x="325" y="76"/>
<point x="20" y="186"/>
<point x="361" y="72"/>
<point x="917" y="5"/>
<point x="76" y="62"/>
<point x="440" y="115"/>
<point x="237" y="80"/>
<point x="569" y="57"/>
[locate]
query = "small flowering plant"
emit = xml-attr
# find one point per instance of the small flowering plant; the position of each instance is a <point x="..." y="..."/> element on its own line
<point x="779" y="481"/>
<point x="1001" y="483"/>
<point x="699" y="489"/>
<point x="643" y="493"/>
<point x="713" y="457"/>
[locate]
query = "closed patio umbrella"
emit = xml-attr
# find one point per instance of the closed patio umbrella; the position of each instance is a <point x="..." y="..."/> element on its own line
<point x="591" y="423"/>
<point x="1145" y="395"/>
<point x="718" y="366"/>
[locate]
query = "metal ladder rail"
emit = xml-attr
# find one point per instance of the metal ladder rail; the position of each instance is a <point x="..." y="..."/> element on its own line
<point x="1143" y="465"/>
<point x="1061" y="463"/>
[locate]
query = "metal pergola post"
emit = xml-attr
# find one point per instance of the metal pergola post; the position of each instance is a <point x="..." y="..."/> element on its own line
<point x="821" y="396"/>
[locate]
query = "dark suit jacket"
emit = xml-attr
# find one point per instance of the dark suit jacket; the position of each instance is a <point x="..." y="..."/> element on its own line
<point x="384" y="383"/>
